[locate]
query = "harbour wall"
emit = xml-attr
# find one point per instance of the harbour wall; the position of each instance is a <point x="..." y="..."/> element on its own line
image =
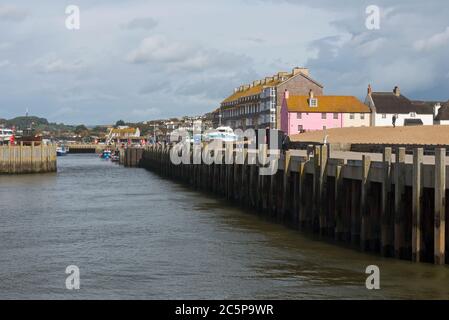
<point x="27" y="159"/>
<point x="394" y="207"/>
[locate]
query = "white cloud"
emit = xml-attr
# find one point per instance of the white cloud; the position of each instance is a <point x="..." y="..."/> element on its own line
<point x="57" y="65"/>
<point x="12" y="13"/>
<point x="147" y="23"/>
<point x="145" y="113"/>
<point x="434" y="42"/>
<point x="178" y="56"/>
<point x="5" y="63"/>
<point x="158" y="49"/>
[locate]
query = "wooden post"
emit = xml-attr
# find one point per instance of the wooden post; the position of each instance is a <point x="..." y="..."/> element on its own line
<point x="440" y="202"/>
<point x="322" y="185"/>
<point x="301" y="194"/>
<point x="339" y="227"/>
<point x="385" y="217"/>
<point x="399" y="202"/>
<point x="316" y="189"/>
<point x="285" y="189"/>
<point x="418" y="155"/>
<point x="365" y="223"/>
<point x="32" y="157"/>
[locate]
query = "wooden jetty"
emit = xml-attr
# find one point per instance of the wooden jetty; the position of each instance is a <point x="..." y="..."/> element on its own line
<point x="88" y="147"/>
<point x="390" y="203"/>
<point x="17" y="159"/>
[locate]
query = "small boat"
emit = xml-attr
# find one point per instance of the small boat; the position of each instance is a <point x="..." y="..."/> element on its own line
<point x="106" y="154"/>
<point x="62" y="151"/>
<point x="115" y="158"/>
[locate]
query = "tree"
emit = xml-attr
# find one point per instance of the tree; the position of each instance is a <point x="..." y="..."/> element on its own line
<point x="80" y="129"/>
<point x="120" y="123"/>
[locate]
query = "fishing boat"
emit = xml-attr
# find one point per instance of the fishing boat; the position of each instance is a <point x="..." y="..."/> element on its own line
<point x="61" y="151"/>
<point x="106" y="154"/>
<point x="115" y="157"/>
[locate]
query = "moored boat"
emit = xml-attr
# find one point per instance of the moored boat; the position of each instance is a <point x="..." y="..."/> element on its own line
<point x="106" y="154"/>
<point x="61" y="151"/>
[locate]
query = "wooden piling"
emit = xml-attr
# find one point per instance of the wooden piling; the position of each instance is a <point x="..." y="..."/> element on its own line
<point x="365" y="219"/>
<point x="418" y="155"/>
<point x="399" y="194"/>
<point x="440" y="206"/>
<point x="386" y="238"/>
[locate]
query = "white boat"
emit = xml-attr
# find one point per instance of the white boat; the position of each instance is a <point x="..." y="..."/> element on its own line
<point x="61" y="151"/>
<point x="5" y="135"/>
<point x="225" y="134"/>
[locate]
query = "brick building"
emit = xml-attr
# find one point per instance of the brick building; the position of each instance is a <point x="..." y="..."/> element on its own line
<point x="257" y="105"/>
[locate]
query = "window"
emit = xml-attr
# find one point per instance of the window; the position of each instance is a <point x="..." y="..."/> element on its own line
<point x="313" y="102"/>
<point x="335" y="115"/>
<point x="324" y="115"/>
<point x="300" y="128"/>
<point x="384" y="115"/>
<point x="362" y="116"/>
<point x="412" y="114"/>
<point x="351" y="116"/>
<point x="324" y="127"/>
<point x="298" y="115"/>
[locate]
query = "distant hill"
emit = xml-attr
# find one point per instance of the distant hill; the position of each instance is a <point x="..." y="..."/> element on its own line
<point x="40" y="124"/>
<point x="26" y="122"/>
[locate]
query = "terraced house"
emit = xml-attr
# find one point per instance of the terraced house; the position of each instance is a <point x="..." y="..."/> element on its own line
<point x="300" y="113"/>
<point x="257" y="105"/>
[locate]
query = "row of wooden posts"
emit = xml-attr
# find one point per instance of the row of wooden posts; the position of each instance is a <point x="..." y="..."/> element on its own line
<point x="396" y="209"/>
<point x="16" y="159"/>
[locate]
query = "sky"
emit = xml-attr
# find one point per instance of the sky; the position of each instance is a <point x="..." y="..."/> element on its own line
<point x="141" y="60"/>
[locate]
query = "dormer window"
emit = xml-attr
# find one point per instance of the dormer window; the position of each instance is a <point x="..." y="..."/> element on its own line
<point x="313" y="102"/>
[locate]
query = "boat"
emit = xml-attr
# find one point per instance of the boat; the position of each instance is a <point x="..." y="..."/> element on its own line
<point x="6" y="136"/>
<point x="28" y="137"/>
<point x="115" y="157"/>
<point x="61" y="151"/>
<point x="106" y="154"/>
<point x="225" y="134"/>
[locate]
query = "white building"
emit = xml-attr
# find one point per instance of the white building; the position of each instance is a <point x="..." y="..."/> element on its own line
<point x="123" y="134"/>
<point x="386" y="105"/>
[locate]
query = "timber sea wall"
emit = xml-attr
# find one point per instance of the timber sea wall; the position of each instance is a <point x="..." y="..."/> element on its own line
<point x="391" y="204"/>
<point x="18" y="159"/>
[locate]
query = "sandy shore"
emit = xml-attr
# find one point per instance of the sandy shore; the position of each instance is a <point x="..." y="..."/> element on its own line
<point x="426" y="135"/>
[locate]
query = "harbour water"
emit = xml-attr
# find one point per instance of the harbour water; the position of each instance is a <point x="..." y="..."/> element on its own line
<point x="134" y="235"/>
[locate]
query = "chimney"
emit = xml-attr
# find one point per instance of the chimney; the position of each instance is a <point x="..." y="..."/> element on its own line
<point x="236" y="90"/>
<point x="397" y="91"/>
<point x="370" y="90"/>
<point x="310" y="94"/>
<point x="286" y="94"/>
<point x="436" y="108"/>
<point x="298" y="70"/>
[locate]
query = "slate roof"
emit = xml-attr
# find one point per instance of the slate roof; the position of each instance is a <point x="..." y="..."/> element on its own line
<point x="388" y="102"/>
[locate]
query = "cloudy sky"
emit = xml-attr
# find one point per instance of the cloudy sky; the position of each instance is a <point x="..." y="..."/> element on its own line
<point x="139" y="60"/>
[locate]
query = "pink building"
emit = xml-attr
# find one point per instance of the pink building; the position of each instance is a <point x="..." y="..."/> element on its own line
<point x="305" y="113"/>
